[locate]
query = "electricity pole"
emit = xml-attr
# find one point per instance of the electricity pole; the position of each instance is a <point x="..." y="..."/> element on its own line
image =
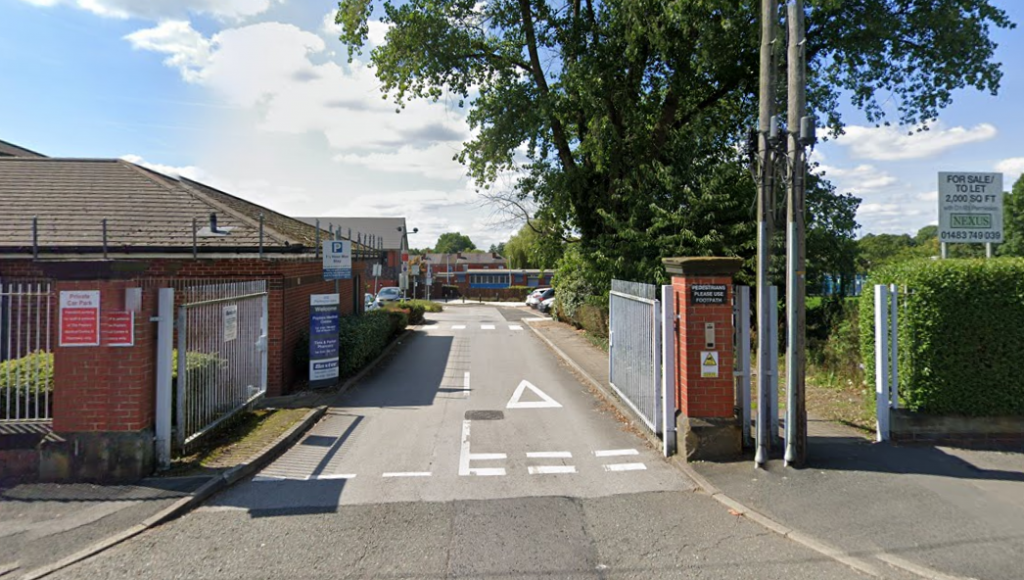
<point x="799" y="131"/>
<point x="765" y="205"/>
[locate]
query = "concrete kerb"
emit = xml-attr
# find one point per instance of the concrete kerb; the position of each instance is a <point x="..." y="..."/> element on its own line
<point x="185" y="504"/>
<point x="739" y="509"/>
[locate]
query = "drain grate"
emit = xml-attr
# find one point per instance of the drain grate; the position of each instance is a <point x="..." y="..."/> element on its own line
<point x="485" y="415"/>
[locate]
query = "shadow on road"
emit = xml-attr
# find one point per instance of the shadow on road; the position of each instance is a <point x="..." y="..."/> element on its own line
<point x="412" y="379"/>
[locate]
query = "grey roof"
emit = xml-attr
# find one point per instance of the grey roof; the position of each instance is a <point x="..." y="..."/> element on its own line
<point x="466" y="258"/>
<point x="12" y="150"/>
<point x="389" y="229"/>
<point x="145" y="210"/>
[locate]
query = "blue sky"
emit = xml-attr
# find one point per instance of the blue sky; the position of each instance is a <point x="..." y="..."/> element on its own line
<point x="255" y="96"/>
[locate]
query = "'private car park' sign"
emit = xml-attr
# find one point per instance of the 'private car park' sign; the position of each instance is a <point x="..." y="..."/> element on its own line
<point x="970" y="208"/>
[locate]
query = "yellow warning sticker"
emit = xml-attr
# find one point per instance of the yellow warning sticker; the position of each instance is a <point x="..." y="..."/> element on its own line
<point x="709" y="364"/>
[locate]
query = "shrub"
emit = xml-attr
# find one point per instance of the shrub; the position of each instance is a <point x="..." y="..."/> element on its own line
<point x="22" y="379"/>
<point x="961" y="331"/>
<point x="428" y="305"/>
<point x="413" y="309"/>
<point x="362" y="338"/>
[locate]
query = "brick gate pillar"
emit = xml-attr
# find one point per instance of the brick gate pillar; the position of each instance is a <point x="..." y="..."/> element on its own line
<point x="104" y="394"/>
<point x="705" y="385"/>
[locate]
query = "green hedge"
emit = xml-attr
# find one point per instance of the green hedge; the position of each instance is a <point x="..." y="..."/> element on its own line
<point x="428" y="305"/>
<point x="961" y="335"/>
<point x="361" y="339"/>
<point x="33" y="373"/>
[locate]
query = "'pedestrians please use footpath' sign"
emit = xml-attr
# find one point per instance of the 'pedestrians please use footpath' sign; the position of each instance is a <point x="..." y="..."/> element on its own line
<point x="970" y="208"/>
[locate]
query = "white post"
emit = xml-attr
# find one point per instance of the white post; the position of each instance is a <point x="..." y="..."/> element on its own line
<point x="882" y="361"/>
<point x="773" y="361"/>
<point x="988" y="249"/>
<point x="894" y="388"/>
<point x="668" y="369"/>
<point x="743" y="358"/>
<point x="942" y="250"/>
<point x="164" y="357"/>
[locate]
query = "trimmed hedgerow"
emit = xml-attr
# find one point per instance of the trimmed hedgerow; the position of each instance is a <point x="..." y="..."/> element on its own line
<point x="961" y="335"/>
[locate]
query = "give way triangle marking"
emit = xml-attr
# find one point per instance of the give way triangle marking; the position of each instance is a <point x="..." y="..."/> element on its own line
<point x="515" y="403"/>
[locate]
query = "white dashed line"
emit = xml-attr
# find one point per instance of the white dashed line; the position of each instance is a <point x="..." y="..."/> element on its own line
<point x="549" y="454"/>
<point x="625" y="467"/>
<point x="459" y="327"/>
<point x="406" y="474"/>
<point x="486" y="327"/>
<point x="486" y="456"/>
<point x="465" y="381"/>
<point x="514" y="327"/>
<point x="262" y="478"/>
<point x="616" y="452"/>
<point x="488" y="471"/>
<point x="550" y="469"/>
<point x="328" y="476"/>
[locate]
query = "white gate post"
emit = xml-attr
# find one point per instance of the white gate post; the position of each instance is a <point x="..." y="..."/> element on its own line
<point x="668" y="370"/>
<point x="894" y="390"/>
<point x="164" y="357"/>
<point x="882" y="361"/>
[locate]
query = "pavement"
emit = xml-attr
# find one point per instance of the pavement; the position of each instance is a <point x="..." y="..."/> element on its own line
<point x="488" y="446"/>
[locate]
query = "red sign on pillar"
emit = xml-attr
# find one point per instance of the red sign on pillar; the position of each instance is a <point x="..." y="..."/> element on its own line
<point x="80" y="318"/>
<point x="119" y="329"/>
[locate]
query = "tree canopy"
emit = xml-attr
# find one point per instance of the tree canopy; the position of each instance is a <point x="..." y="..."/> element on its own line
<point x="623" y="120"/>
<point x="453" y="243"/>
<point x="1013" y="221"/>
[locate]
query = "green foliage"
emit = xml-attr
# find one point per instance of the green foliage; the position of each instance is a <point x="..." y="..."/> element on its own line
<point x="1013" y="219"/>
<point x="413" y="310"/>
<point x="961" y="330"/>
<point x="427" y="305"/>
<point x="23" y="379"/>
<point x="536" y="245"/>
<point x="453" y="243"/>
<point x="574" y="284"/>
<point x="361" y="339"/>
<point x="833" y="337"/>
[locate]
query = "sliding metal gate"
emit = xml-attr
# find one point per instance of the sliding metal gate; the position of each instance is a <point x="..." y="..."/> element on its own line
<point x="222" y="329"/>
<point x="634" y="349"/>
<point x="26" y="354"/>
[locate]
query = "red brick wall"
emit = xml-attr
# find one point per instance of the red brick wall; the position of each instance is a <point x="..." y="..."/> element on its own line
<point x="697" y="396"/>
<point x="105" y="388"/>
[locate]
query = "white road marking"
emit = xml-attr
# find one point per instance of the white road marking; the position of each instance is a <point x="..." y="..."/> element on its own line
<point x="465" y="457"/>
<point x="486" y="327"/>
<point x="327" y="476"/>
<point x="458" y="327"/>
<point x="515" y="403"/>
<point x="542" y="469"/>
<point x="406" y="474"/>
<point x="514" y="327"/>
<point x="549" y="454"/>
<point x="616" y="452"/>
<point x="465" y="381"/>
<point x="535" y="319"/>
<point x="625" y="467"/>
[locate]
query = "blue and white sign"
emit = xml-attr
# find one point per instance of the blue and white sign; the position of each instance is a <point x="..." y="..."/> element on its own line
<point x="323" y="339"/>
<point x="337" y="260"/>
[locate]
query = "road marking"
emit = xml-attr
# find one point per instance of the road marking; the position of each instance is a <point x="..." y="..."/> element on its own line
<point x="616" y="452"/>
<point x="465" y="457"/>
<point x="486" y="327"/>
<point x="535" y="319"/>
<point x="625" y="467"/>
<point x="406" y="474"/>
<point x="459" y="327"/>
<point x="465" y="381"/>
<point x="515" y="403"/>
<point x="328" y="476"/>
<point x="549" y="454"/>
<point x="549" y="469"/>
<point x="514" y="327"/>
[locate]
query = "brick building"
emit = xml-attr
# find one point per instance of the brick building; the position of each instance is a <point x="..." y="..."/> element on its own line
<point x="386" y="238"/>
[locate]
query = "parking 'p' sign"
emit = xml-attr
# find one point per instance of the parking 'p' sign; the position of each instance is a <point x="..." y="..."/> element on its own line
<point x="337" y="260"/>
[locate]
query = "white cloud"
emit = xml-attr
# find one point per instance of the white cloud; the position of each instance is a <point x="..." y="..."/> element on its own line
<point x="189" y="171"/>
<point x="892" y="144"/>
<point x="161" y="9"/>
<point x="857" y="180"/>
<point x="1011" y="169"/>
<point x="434" y="161"/>
<point x="927" y="196"/>
<point x="189" y="51"/>
<point x="378" y="31"/>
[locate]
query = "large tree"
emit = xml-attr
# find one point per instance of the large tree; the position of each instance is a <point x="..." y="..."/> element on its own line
<point x="1013" y="219"/>
<point x="623" y="119"/>
<point x="453" y="243"/>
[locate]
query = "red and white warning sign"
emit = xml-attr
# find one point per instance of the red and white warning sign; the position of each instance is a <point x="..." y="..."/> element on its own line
<point x="80" y="318"/>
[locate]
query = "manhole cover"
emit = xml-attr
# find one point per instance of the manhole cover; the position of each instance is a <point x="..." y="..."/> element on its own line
<point x="485" y="415"/>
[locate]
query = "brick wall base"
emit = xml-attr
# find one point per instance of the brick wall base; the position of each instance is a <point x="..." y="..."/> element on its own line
<point x="97" y="457"/>
<point x="1003" y="433"/>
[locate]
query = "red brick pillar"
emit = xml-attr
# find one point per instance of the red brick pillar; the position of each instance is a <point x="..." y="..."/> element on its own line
<point x="705" y="384"/>
<point x="104" y="395"/>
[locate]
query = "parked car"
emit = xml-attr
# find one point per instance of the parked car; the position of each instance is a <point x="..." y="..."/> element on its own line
<point x="541" y="295"/>
<point x="534" y="298"/>
<point x="388" y="294"/>
<point x="547" y="303"/>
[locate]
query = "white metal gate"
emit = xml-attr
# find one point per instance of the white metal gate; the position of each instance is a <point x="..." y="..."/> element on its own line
<point x="640" y="339"/>
<point x="222" y="329"/>
<point x="26" y="354"/>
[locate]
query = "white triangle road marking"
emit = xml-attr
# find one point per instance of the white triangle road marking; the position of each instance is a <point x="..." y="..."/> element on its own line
<point x="515" y="403"/>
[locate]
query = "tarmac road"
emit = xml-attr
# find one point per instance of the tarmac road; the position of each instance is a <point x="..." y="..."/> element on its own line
<point x="472" y="453"/>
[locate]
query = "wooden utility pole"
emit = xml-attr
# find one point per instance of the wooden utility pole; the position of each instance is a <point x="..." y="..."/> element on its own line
<point x="798" y="129"/>
<point x="765" y="205"/>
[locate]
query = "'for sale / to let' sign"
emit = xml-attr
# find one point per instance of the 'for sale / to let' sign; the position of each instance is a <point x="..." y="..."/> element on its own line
<point x="970" y="207"/>
<point x="80" y="318"/>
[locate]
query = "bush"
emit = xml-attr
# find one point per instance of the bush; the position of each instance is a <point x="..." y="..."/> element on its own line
<point x="361" y="338"/>
<point x="961" y="333"/>
<point x="428" y="305"/>
<point x="22" y="379"/>
<point x="413" y="309"/>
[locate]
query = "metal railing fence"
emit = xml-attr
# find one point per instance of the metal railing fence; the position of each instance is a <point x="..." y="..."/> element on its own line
<point x="221" y="356"/>
<point x="634" y="344"/>
<point x="26" y="356"/>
